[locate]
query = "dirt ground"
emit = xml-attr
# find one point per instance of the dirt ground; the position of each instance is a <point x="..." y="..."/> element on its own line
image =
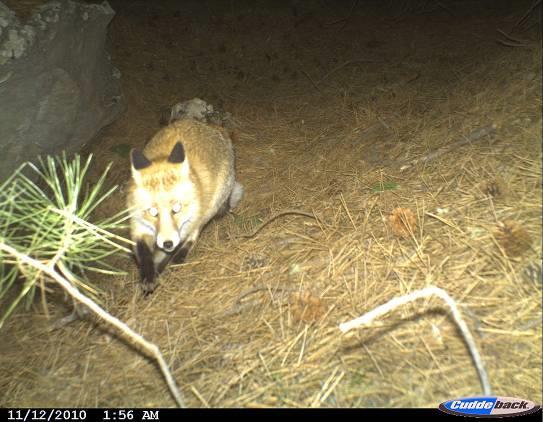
<point x="328" y="105"/>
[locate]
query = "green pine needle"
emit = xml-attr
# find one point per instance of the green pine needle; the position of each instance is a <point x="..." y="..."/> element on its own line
<point x="46" y="213"/>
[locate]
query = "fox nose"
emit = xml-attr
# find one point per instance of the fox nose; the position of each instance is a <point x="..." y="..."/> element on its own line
<point x="168" y="245"/>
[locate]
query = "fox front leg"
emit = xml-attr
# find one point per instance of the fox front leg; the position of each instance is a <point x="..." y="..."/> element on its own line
<point x="181" y="253"/>
<point x="177" y="257"/>
<point x="146" y="266"/>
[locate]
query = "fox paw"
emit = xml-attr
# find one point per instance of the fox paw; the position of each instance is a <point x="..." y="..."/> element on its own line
<point x="148" y="288"/>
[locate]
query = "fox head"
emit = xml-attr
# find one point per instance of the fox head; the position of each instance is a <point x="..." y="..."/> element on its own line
<point x="163" y="196"/>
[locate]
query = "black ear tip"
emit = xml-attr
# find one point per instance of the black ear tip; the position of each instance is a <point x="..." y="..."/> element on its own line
<point x="139" y="161"/>
<point x="178" y="147"/>
<point x="178" y="153"/>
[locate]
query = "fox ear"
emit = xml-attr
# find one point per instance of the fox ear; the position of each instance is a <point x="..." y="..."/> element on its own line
<point x="138" y="160"/>
<point x="177" y="156"/>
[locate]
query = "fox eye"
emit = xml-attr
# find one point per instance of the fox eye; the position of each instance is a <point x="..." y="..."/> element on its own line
<point x="153" y="211"/>
<point x="176" y="208"/>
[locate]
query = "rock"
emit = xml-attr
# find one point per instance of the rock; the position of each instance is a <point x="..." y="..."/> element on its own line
<point x="58" y="87"/>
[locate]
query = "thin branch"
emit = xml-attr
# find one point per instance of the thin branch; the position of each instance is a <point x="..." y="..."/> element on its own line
<point x="310" y="80"/>
<point x="457" y="316"/>
<point x="137" y="339"/>
<point x="513" y="44"/>
<point x="473" y="136"/>
<point x="277" y="215"/>
<point x="528" y="13"/>
<point x="521" y="43"/>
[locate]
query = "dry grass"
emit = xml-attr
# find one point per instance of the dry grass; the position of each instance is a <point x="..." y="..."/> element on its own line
<point x="254" y="322"/>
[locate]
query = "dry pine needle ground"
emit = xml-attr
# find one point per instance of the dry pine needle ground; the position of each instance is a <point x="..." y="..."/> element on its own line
<point x="321" y="136"/>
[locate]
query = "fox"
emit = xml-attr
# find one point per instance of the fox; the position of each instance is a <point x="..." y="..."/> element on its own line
<point x="183" y="178"/>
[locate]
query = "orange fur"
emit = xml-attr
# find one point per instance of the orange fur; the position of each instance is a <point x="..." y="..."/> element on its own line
<point x="200" y="186"/>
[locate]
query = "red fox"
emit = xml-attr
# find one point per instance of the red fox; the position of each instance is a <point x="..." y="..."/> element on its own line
<point x="183" y="178"/>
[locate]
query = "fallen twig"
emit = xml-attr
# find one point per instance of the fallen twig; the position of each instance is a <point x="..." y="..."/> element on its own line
<point x="524" y="17"/>
<point x="310" y="80"/>
<point x="512" y="44"/>
<point x="277" y="215"/>
<point x="137" y="339"/>
<point x="511" y="41"/>
<point x="457" y="316"/>
<point x="511" y="38"/>
<point x="473" y="136"/>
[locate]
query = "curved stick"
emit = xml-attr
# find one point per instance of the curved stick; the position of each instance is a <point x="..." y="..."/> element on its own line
<point x="457" y="316"/>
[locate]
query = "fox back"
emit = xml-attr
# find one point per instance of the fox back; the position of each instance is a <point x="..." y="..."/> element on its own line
<point x="183" y="178"/>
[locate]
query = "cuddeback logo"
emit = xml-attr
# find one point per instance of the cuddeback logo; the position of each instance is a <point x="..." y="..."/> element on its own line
<point x="489" y="407"/>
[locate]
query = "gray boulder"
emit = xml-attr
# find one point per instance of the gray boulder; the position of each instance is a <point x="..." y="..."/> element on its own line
<point x="58" y="87"/>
